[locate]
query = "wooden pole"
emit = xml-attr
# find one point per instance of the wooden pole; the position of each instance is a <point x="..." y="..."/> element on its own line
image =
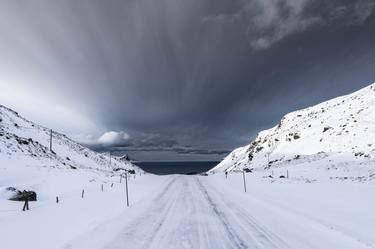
<point x="83" y="193"/>
<point x="57" y="199"/>
<point x="127" y="192"/>
<point x="102" y="187"/>
<point x="244" y="180"/>
<point x="50" y="140"/>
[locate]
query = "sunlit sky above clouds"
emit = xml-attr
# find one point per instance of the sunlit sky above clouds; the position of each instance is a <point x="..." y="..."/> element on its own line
<point x="174" y="79"/>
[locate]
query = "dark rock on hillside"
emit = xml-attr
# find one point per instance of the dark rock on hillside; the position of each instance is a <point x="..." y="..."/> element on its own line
<point x="131" y="171"/>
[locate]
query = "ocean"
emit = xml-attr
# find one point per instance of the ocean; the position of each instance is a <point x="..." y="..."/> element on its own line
<point x="182" y="167"/>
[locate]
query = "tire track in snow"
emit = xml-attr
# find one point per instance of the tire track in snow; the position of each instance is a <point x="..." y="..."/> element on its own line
<point x="331" y="228"/>
<point x="260" y="237"/>
<point x="146" y="228"/>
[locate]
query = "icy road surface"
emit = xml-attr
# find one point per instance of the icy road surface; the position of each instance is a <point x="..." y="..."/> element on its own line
<point x="203" y="212"/>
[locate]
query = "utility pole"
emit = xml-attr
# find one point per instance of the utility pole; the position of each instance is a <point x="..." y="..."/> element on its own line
<point x="127" y="192"/>
<point x="50" y="141"/>
<point x="244" y="180"/>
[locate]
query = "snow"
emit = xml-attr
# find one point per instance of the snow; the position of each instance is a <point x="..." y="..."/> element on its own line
<point x="339" y="133"/>
<point x="203" y="212"/>
<point x="50" y="225"/>
<point x="186" y="211"/>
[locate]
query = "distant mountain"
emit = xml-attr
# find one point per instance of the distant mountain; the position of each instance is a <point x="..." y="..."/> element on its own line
<point x="337" y="131"/>
<point x="24" y="144"/>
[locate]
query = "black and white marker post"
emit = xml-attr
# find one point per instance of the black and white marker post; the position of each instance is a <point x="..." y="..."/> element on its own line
<point x="127" y="193"/>
<point x="244" y="180"/>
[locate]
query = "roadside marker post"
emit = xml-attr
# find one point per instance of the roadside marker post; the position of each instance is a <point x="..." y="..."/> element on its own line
<point x="244" y="180"/>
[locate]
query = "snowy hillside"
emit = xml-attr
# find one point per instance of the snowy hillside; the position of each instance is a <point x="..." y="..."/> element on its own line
<point x="26" y="161"/>
<point x="25" y="143"/>
<point x="336" y="133"/>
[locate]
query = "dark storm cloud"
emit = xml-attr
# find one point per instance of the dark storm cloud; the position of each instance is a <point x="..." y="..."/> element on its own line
<point x="269" y="21"/>
<point x="193" y="77"/>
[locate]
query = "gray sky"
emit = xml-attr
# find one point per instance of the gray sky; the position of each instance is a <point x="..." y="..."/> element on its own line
<point x="176" y="79"/>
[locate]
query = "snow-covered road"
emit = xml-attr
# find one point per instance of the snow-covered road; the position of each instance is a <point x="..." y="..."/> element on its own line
<point x="202" y="212"/>
<point x="188" y="215"/>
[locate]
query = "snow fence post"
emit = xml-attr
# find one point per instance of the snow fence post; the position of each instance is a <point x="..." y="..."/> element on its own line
<point x="57" y="199"/>
<point x="83" y="193"/>
<point x="244" y="180"/>
<point x="127" y="192"/>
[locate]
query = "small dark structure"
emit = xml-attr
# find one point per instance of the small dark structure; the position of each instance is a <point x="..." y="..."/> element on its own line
<point x="25" y="196"/>
<point x="22" y="195"/>
<point x="131" y="171"/>
<point x="247" y="170"/>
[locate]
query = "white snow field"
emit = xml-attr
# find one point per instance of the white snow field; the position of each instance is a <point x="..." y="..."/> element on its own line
<point x="193" y="212"/>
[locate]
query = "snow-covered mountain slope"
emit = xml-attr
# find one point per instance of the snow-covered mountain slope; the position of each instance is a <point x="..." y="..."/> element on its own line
<point x="25" y="145"/>
<point x="340" y="131"/>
